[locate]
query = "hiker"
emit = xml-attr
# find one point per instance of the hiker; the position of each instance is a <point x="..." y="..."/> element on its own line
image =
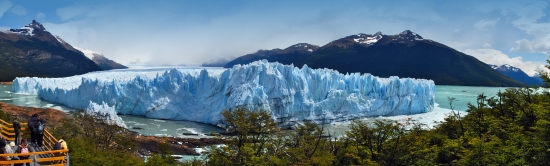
<point x="61" y="144"/>
<point x="4" y="158"/>
<point x="11" y="149"/>
<point x="24" y="148"/>
<point x="3" y="149"/>
<point x="33" y="127"/>
<point x="17" y="130"/>
<point x="40" y="134"/>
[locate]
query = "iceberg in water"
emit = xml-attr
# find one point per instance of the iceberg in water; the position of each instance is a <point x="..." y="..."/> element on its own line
<point x="200" y="95"/>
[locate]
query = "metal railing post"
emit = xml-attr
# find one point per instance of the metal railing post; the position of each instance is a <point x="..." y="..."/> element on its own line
<point x="34" y="161"/>
<point x="68" y="161"/>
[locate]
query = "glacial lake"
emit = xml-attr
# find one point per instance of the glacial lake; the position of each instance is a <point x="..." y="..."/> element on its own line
<point x="145" y="126"/>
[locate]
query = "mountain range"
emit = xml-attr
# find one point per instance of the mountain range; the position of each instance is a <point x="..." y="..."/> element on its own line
<point x="34" y="52"/>
<point x="405" y="55"/>
<point x="517" y="74"/>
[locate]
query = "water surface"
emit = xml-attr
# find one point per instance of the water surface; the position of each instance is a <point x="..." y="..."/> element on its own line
<point x="145" y="126"/>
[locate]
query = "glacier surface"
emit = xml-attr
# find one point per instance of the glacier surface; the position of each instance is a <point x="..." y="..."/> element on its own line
<point x="200" y="95"/>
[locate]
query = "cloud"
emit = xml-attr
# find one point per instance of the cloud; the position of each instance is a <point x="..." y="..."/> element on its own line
<point x="495" y="57"/>
<point x="67" y="13"/>
<point x="18" y="10"/>
<point x="458" y="45"/>
<point x="40" y="15"/>
<point x="483" y="24"/>
<point x="540" y="44"/>
<point x="4" y="6"/>
<point x="4" y="28"/>
<point x="486" y="45"/>
<point x="526" y="16"/>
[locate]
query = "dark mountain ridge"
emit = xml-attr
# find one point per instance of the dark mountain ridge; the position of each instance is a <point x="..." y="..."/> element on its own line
<point x="405" y="55"/>
<point x="34" y="52"/>
<point x="296" y="54"/>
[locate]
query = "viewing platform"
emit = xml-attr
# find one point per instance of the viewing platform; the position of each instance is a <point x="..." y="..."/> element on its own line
<point x="44" y="155"/>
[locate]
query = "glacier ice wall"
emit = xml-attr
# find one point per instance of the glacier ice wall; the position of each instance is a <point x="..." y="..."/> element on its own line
<point x="288" y="92"/>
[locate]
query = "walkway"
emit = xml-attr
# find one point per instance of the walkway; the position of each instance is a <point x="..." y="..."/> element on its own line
<point x="40" y="155"/>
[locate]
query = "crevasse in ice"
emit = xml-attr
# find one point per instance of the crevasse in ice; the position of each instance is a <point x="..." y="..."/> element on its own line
<point x="289" y="92"/>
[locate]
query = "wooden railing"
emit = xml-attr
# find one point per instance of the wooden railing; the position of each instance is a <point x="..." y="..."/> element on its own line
<point x="8" y="133"/>
<point x="48" y="156"/>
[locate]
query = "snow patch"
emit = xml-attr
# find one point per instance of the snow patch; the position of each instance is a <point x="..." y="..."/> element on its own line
<point x="364" y="39"/>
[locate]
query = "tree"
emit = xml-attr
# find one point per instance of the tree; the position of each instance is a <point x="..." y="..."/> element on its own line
<point x="252" y="134"/>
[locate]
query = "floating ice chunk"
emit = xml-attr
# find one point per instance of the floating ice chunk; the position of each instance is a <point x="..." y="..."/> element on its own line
<point x="107" y="111"/>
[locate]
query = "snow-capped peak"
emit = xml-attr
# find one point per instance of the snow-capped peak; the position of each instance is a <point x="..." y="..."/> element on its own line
<point x="505" y="67"/>
<point x="300" y="45"/>
<point x="89" y="53"/>
<point x="368" y="39"/>
<point x="409" y="35"/>
<point x="28" y="29"/>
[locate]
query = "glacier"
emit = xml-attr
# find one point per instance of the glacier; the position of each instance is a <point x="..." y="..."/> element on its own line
<point x="199" y="95"/>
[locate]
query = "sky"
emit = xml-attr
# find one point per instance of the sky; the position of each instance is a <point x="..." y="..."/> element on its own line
<point x="192" y="32"/>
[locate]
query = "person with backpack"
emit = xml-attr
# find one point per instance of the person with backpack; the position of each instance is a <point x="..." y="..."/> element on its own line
<point x="61" y="144"/>
<point x="17" y="130"/>
<point x="40" y="134"/>
<point x="33" y="127"/>
<point x="24" y="148"/>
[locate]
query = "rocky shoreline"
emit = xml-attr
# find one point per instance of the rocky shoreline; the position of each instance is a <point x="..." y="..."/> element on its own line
<point x="146" y="144"/>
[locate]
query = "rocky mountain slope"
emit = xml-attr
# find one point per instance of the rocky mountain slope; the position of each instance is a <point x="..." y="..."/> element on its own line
<point x="295" y="54"/>
<point x="32" y="51"/>
<point x="405" y="55"/>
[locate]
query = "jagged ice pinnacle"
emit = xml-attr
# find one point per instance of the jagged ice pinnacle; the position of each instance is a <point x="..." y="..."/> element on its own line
<point x="200" y="95"/>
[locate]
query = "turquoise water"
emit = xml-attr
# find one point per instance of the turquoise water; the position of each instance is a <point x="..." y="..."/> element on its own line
<point x="145" y="126"/>
<point x="142" y="125"/>
<point x="138" y="124"/>
<point x="463" y="95"/>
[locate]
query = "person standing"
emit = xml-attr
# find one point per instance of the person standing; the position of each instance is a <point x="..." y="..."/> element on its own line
<point x="40" y="134"/>
<point x="32" y="124"/>
<point x="17" y="130"/>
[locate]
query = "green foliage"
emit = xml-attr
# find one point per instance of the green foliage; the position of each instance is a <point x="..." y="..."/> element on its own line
<point x="511" y="128"/>
<point x="4" y="116"/>
<point x="92" y="140"/>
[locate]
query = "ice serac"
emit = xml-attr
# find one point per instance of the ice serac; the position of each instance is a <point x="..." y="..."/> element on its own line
<point x="288" y="92"/>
